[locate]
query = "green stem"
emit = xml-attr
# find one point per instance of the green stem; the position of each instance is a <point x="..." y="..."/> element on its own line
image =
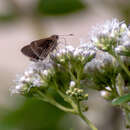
<point x="73" y="77"/>
<point x="126" y="106"/>
<point x="41" y="76"/>
<point x="53" y="102"/>
<point x="66" y="98"/>
<point x="123" y="66"/>
<point x="90" y="124"/>
<point x="63" y="108"/>
<point x="127" y="117"/>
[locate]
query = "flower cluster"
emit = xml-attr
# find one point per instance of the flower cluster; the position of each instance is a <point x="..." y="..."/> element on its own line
<point x="102" y="64"/>
<point x="63" y="66"/>
<point x="74" y="91"/>
<point x="86" y="65"/>
<point x="113" y="36"/>
<point x="102" y="70"/>
<point x="34" y="76"/>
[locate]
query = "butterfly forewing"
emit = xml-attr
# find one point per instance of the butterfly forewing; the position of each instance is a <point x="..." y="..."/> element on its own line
<point x="49" y="46"/>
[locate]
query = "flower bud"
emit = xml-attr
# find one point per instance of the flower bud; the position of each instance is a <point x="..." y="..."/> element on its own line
<point x="105" y="94"/>
<point x="72" y="83"/>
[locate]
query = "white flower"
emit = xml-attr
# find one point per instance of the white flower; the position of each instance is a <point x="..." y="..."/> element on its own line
<point x="104" y="94"/>
<point x="127" y="44"/>
<point x="88" y="46"/>
<point x="60" y="52"/>
<point x="119" y="49"/>
<point x="22" y="79"/>
<point x="123" y="26"/>
<point x="32" y="76"/>
<point x="94" y="39"/>
<point x="45" y="72"/>
<point x="40" y="66"/>
<point x="70" y="48"/>
<point x="29" y="72"/>
<point x="28" y="79"/>
<point x="77" y="52"/>
<point x="16" y="89"/>
<point x="101" y="61"/>
<point x="125" y="37"/>
<point x="108" y="88"/>
<point x="37" y="82"/>
<point x="85" y="50"/>
<point x="110" y="29"/>
<point x="112" y="34"/>
<point x="72" y="83"/>
<point x="63" y="51"/>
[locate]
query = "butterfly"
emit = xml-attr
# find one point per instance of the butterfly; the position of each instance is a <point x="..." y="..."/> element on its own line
<point x="39" y="49"/>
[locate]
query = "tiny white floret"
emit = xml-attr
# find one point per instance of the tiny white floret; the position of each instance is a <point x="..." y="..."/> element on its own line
<point x="45" y="72"/>
<point x="72" y="83"/>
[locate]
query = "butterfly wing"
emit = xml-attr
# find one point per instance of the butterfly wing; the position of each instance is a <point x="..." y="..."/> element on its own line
<point x="27" y="51"/>
<point x="48" y="47"/>
<point x="42" y="47"/>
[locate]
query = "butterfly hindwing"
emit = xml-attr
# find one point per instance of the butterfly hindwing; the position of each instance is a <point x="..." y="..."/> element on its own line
<point x="26" y="50"/>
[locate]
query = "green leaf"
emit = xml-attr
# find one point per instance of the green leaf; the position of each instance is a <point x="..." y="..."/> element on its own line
<point x="33" y="114"/>
<point x="120" y="84"/>
<point x="59" y="7"/>
<point x="7" y="17"/>
<point x="122" y="99"/>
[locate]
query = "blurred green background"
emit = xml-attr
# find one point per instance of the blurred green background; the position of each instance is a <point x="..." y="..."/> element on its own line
<point x="22" y="21"/>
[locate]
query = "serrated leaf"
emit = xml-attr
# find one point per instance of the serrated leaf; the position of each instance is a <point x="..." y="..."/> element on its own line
<point x="122" y="99"/>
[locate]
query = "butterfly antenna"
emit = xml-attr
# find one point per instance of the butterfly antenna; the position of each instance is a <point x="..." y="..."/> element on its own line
<point x="67" y="35"/>
<point x="65" y="39"/>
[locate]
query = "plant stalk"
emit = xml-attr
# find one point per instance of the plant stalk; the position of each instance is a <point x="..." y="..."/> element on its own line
<point x="55" y="103"/>
<point x="123" y="66"/>
<point x="88" y="122"/>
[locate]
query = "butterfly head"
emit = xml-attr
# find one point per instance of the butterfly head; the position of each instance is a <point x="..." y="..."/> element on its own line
<point x="56" y="37"/>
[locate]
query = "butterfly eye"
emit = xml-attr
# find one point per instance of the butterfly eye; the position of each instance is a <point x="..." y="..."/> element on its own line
<point x="55" y="36"/>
